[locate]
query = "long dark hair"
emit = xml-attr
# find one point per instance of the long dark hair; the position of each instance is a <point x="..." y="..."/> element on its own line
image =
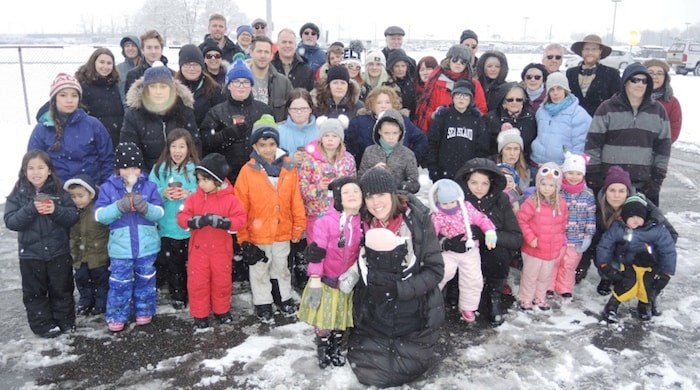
<point x="211" y="87"/>
<point x="166" y="158"/>
<point x="22" y="176"/>
<point x="87" y="72"/>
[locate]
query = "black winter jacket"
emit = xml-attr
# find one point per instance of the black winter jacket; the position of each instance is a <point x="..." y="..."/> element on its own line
<point x="102" y="100"/>
<point x="525" y="122"/>
<point x="605" y="84"/>
<point x="202" y="102"/>
<point x="300" y="75"/>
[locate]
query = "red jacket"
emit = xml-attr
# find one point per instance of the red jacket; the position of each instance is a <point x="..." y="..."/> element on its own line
<point x="675" y="115"/>
<point x="549" y="229"/>
<point x="441" y="95"/>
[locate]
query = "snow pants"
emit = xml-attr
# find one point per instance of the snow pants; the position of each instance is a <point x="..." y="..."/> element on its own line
<point x="47" y="292"/>
<point x="132" y="283"/>
<point x="564" y="271"/>
<point x="471" y="281"/>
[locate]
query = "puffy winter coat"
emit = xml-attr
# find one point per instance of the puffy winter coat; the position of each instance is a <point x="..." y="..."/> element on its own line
<point x="88" y="240"/>
<point x="101" y="99"/>
<point x="137" y="72"/>
<point x="401" y="163"/>
<point x="622" y="245"/>
<point x="327" y="235"/>
<point x="314" y="55"/>
<point x="312" y="171"/>
<point x="187" y="177"/>
<point x="293" y="136"/>
<point x="545" y="225"/>
<point x="524" y="121"/>
<point x="567" y="128"/>
<point x="40" y="237"/>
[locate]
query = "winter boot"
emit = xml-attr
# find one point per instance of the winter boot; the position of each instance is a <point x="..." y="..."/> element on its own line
<point x="264" y="313"/>
<point x="322" y="349"/>
<point x="610" y="310"/>
<point x="604" y="287"/>
<point x="335" y="350"/>
<point x="654" y="305"/>
<point x="496" y="316"/>
<point x="276" y="295"/>
<point x="288" y="308"/>
<point x="452" y="292"/>
<point x="644" y="311"/>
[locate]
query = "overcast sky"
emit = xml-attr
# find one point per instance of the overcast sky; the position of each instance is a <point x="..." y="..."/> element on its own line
<point x="368" y="18"/>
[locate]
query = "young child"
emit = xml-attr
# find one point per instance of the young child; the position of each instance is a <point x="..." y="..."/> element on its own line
<point x="453" y="218"/>
<point x="175" y="178"/>
<point x="212" y="214"/>
<point x="268" y="188"/>
<point x="42" y="213"/>
<point x="325" y="303"/>
<point x="542" y="219"/>
<point x="638" y="255"/>
<point x="130" y="204"/>
<point x="580" y="225"/>
<point x="389" y="152"/>
<point x="88" y="247"/>
<point x="512" y="189"/>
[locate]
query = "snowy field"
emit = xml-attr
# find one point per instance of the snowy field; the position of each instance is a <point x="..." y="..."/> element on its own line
<point x="566" y="348"/>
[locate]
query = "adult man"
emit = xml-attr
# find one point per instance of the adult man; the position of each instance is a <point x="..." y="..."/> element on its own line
<point x="470" y="39"/>
<point x="260" y="30"/>
<point x="553" y="57"/>
<point x="592" y="82"/>
<point x="152" y="47"/>
<point x="287" y="62"/>
<point x="270" y="86"/>
<point x="131" y="50"/>
<point x="633" y="131"/>
<point x="217" y="33"/>
<point x="308" y="47"/>
<point x="393" y="35"/>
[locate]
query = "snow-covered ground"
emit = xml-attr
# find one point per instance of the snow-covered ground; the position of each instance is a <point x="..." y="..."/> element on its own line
<point x="566" y="348"/>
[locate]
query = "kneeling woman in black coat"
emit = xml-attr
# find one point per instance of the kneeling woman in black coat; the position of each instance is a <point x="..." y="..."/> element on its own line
<point x="397" y="305"/>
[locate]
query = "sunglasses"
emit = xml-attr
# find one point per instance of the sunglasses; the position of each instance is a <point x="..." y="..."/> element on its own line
<point x="636" y="80"/>
<point x="458" y="60"/>
<point x="310" y="32"/>
<point x="511" y="100"/>
<point x="533" y="76"/>
<point x="553" y="57"/>
<point x="259" y="26"/>
<point x="213" y="56"/>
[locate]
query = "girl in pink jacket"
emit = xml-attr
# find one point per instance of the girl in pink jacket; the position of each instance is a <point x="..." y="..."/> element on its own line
<point x="326" y="302"/>
<point x="452" y="218"/>
<point x="542" y="219"/>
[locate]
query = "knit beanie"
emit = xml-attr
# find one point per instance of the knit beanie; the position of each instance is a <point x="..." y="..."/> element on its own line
<point x="510" y="136"/>
<point x="337" y="187"/>
<point x="191" y="54"/>
<point x="463" y="86"/>
<point x="466" y="34"/>
<point x="216" y="166"/>
<point x="63" y="81"/>
<point x="461" y="52"/>
<point x="84" y="181"/>
<point x="508" y="169"/>
<point x="265" y="127"/>
<point x="549" y="170"/>
<point x="350" y="56"/>
<point x="311" y="26"/>
<point x="128" y="155"/>
<point x="617" y="175"/>
<point x="378" y="180"/>
<point x="375" y="55"/>
<point x="574" y="162"/>
<point x="211" y="45"/>
<point x="158" y="73"/>
<point x="557" y="79"/>
<point x="338" y="72"/>
<point x="244" y="28"/>
<point x="239" y="70"/>
<point x="332" y="125"/>
<point x="537" y="66"/>
<point x="390" y="114"/>
<point x="634" y="206"/>
<point x="448" y="191"/>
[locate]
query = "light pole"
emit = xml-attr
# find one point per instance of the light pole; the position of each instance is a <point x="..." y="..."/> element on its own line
<point x="525" y="28"/>
<point x="687" y="32"/>
<point x="612" y="34"/>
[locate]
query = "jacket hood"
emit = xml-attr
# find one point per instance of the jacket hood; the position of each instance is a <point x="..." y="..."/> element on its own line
<point x="134" y="98"/>
<point x="502" y="91"/>
<point x="392" y="115"/>
<point x="481" y="65"/>
<point x="498" y="180"/>
<point x="133" y="39"/>
<point x="635" y="69"/>
<point x="432" y="192"/>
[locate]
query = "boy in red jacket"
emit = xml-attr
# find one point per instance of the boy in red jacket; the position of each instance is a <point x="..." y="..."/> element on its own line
<point x="213" y="213"/>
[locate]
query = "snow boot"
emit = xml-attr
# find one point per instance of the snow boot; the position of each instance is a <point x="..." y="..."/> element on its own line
<point x="496" y="316"/>
<point x="604" y="287"/>
<point x="264" y="313"/>
<point x="335" y="349"/>
<point x="288" y="308"/>
<point x="644" y="311"/>
<point x="610" y="310"/>
<point x="322" y="349"/>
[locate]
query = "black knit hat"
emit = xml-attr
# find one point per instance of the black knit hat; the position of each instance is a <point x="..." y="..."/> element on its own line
<point x="378" y="180"/>
<point x="211" y="45"/>
<point x="463" y="86"/>
<point x="466" y="34"/>
<point x="311" y="26"/>
<point x="189" y="54"/>
<point x="216" y="166"/>
<point x="337" y="185"/>
<point x="338" y="72"/>
<point x="634" y="206"/>
<point x="128" y="155"/>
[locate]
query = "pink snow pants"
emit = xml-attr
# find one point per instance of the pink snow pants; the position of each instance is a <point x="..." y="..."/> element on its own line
<point x="564" y="272"/>
<point x="534" y="280"/>
<point x="470" y="279"/>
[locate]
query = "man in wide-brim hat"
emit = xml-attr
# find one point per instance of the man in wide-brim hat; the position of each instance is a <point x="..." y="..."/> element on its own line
<point x="577" y="47"/>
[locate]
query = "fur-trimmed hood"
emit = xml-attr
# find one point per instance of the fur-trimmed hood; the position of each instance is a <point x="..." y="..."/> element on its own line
<point x="134" y="98"/>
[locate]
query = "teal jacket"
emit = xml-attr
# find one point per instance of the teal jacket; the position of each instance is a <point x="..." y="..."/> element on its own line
<point x="167" y="226"/>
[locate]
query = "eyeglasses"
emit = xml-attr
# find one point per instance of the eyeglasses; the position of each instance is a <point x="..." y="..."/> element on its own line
<point x="191" y="65"/>
<point x="533" y="76"/>
<point x="636" y="80"/>
<point x="461" y="96"/>
<point x="352" y="66"/>
<point x="241" y="83"/>
<point x="299" y="109"/>
<point x="259" y="26"/>
<point x="656" y="74"/>
<point x="546" y="170"/>
<point x="472" y="46"/>
<point x="215" y="56"/>
<point x="553" y="57"/>
<point x="458" y="60"/>
<point x="310" y="32"/>
<point x="511" y="100"/>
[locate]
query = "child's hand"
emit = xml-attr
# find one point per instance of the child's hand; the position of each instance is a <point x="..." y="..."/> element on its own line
<point x="45" y="207"/>
<point x="324" y="183"/>
<point x="533" y="243"/>
<point x="491" y="239"/>
<point x="380" y="165"/>
<point x="140" y="204"/>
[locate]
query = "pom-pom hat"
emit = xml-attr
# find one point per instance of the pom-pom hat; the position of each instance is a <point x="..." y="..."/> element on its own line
<point x="265" y="127"/>
<point x="63" y="81"/>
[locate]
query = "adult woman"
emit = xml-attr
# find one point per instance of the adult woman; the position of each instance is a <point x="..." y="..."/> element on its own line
<point x="214" y="65"/>
<point x="100" y="82"/>
<point x="397" y="305"/>
<point x="438" y="88"/>
<point x="351" y="60"/>
<point x="663" y="93"/>
<point x="375" y="73"/>
<point x="483" y="185"/>
<point x="157" y="104"/>
<point x="492" y="70"/>
<point x="533" y="79"/>
<point x="337" y="94"/>
<point x="510" y="151"/>
<point x="76" y="142"/>
<point x="205" y="90"/>
<point x="511" y="111"/>
<point x="358" y="136"/>
<point x="300" y="128"/>
<point x="561" y="124"/>
<point x="425" y="67"/>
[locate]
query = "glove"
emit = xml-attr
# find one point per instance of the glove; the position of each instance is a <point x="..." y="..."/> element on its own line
<point x="197" y="222"/>
<point x="583" y="246"/>
<point x="651" y="189"/>
<point x="124" y="204"/>
<point x="348" y="279"/>
<point x="491" y="239"/>
<point x="217" y="221"/>
<point x="234" y="132"/>
<point x="313" y="296"/>
<point x="455" y="244"/>
<point x="660" y="281"/>
<point x="611" y="272"/>
<point x="140" y="204"/>
<point x="314" y="254"/>
<point x="252" y="254"/>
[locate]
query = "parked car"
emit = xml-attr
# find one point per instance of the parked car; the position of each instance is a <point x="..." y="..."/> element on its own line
<point x="684" y="57"/>
<point x="618" y="59"/>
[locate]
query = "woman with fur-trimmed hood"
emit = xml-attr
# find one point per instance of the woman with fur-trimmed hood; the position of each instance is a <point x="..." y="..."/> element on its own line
<point x="157" y="104"/>
<point x="337" y="94"/>
<point x="492" y="70"/>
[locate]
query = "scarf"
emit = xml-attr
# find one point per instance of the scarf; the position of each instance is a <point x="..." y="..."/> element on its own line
<point x="387" y="148"/>
<point x="658" y="94"/>
<point x="423" y="104"/>
<point x="573" y="188"/>
<point x="394" y="224"/>
<point x="272" y="169"/>
<point x="451" y="211"/>
<point x="555" y="108"/>
<point x="587" y="71"/>
<point x="533" y="94"/>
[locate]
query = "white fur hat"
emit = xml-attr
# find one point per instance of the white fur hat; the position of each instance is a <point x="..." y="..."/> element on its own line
<point x="574" y="162"/>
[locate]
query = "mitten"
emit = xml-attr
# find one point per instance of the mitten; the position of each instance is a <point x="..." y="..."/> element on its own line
<point x="252" y="254"/>
<point x="124" y="204"/>
<point x="348" y="279"/>
<point x="491" y="238"/>
<point x="583" y="246"/>
<point x="651" y="189"/>
<point x="660" y="281"/>
<point x="234" y="132"/>
<point x="197" y="222"/>
<point x="313" y="295"/>
<point x="611" y="272"/>
<point x="218" y="222"/>
<point x="314" y="254"/>
<point x="454" y="244"/>
<point x="140" y="204"/>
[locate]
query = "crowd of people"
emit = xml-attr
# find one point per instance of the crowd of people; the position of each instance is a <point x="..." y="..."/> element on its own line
<point x="258" y="158"/>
